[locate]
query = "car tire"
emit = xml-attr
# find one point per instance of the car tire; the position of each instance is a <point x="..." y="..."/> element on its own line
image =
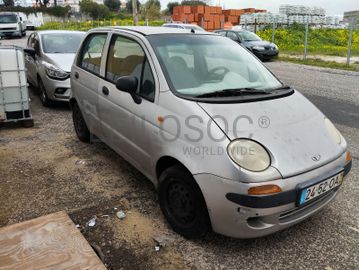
<point x="27" y="123"/>
<point x="182" y="203"/>
<point x="80" y="126"/>
<point x="43" y="94"/>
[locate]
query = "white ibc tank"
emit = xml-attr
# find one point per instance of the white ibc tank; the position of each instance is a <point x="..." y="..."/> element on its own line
<point x="14" y="96"/>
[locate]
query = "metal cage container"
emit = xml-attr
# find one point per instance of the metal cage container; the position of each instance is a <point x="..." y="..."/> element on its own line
<point x="14" y="95"/>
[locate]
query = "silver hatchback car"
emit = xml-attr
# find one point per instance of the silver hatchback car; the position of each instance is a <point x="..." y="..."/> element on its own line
<point x="228" y="146"/>
<point x="48" y="59"/>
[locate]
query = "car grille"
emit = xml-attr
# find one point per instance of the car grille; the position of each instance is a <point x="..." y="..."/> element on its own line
<point x="8" y="29"/>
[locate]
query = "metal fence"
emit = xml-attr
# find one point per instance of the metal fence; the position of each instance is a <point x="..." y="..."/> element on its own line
<point x="308" y="39"/>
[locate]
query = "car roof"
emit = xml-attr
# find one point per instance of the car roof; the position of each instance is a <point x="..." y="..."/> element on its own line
<point x="150" y="30"/>
<point x="8" y="13"/>
<point x="181" y="24"/>
<point x="59" y="32"/>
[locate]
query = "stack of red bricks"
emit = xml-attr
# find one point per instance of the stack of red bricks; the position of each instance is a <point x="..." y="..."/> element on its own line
<point x="210" y="18"/>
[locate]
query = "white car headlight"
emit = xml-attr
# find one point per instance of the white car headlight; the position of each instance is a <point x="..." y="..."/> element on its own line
<point x="54" y="72"/>
<point x="333" y="131"/>
<point x="249" y="155"/>
<point x="258" y="48"/>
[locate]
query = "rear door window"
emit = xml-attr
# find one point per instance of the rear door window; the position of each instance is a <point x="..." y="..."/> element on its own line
<point x="91" y="53"/>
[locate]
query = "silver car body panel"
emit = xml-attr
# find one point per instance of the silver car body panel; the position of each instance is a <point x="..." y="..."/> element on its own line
<point x="134" y="131"/>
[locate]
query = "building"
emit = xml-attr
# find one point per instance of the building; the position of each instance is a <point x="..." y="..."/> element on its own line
<point x="350" y="15"/>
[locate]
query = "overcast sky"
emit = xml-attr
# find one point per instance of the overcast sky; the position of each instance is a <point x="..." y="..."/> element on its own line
<point x="333" y="7"/>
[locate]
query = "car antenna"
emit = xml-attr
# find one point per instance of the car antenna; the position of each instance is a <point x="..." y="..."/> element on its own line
<point x="192" y="31"/>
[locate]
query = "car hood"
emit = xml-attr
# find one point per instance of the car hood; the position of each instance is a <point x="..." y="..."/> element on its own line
<point x="61" y="60"/>
<point x="8" y="25"/>
<point x="291" y="128"/>
<point x="258" y="43"/>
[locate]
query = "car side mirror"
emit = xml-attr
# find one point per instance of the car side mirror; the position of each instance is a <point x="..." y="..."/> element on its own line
<point x="129" y="84"/>
<point x="30" y="51"/>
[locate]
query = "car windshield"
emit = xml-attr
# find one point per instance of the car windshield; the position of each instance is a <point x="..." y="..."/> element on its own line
<point x="248" y="36"/>
<point x="202" y="64"/>
<point x="8" y="18"/>
<point x="61" y="42"/>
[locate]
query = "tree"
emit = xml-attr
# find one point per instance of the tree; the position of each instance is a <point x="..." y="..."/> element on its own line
<point x="8" y="3"/>
<point x="129" y="6"/>
<point x="42" y="3"/>
<point x="113" y="5"/>
<point x="93" y="9"/>
<point x="170" y="7"/>
<point x="194" y="3"/>
<point x="151" y="10"/>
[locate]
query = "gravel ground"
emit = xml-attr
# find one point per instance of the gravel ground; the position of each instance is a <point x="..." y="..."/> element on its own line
<point x="46" y="169"/>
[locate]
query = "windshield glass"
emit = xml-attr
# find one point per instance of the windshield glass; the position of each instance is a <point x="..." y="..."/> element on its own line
<point x="200" y="64"/>
<point x="61" y="42"/>
<point x="8" y="18"/>
<point x="248" y="36"/>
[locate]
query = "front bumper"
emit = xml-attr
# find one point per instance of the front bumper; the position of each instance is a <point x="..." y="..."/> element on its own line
<point x="10" y="33"/>
<point x="267" y="54"/>
<point x="57" y="90"/>
<point x="250" y="217"/>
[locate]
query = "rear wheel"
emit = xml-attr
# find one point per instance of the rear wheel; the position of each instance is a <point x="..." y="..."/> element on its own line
<point x="80" y="126"/>
<point x="182" y="203"/>
<point x="43" y="94"/>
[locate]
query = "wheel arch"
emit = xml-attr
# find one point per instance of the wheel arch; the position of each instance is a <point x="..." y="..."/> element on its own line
<point x="165" y="162"/>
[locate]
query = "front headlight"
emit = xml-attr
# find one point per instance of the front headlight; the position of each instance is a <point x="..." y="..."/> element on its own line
<point x="258" y="48"/>
<point x="54" y="72"/>
<point x="249" y="155"/>
<point x="333" y="131"/>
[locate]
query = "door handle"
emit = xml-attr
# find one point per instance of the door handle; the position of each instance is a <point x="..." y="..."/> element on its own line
<point x="76" y="75"/>
<point x="105" y="91"/>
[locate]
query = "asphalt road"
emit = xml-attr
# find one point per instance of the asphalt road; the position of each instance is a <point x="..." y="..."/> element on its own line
<point x="328" y="240"/>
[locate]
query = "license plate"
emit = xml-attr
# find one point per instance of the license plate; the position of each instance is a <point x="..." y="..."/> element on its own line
<point x="312" y="192"/>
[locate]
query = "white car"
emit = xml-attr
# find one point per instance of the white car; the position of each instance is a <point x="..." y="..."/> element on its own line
<point x="11" y="25"/>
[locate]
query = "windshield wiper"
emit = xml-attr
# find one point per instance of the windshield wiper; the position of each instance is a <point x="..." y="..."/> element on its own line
<point x="283" y="87"/>
<point x="234" y="92"/>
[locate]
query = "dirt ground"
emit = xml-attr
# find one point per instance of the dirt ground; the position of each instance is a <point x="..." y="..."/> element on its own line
<point x="46" y="169"/>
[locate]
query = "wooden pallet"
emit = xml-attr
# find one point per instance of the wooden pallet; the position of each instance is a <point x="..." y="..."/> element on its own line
<point x="48" y="242"/>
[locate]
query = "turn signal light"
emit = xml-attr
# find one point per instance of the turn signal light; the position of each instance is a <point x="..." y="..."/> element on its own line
<point x="348" y="156"/>
<point x="264" y="190"/>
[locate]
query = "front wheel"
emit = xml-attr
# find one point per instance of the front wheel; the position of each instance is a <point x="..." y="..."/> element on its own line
<point x="182" y="203"/>
<point x="43" y="94"/>
<point x="80" y="126"/>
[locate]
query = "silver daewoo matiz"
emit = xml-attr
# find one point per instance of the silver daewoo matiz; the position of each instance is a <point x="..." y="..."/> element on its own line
<point x="228" y="146"/>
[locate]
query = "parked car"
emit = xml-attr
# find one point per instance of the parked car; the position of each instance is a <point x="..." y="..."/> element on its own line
<point x="49" y="56"/>
<point x="264" y="50"/>
<point x="11" y="25"/>
<point x="228" y="146"/>
<point x="30" y="25"/>
<point x="184" y="26"/>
